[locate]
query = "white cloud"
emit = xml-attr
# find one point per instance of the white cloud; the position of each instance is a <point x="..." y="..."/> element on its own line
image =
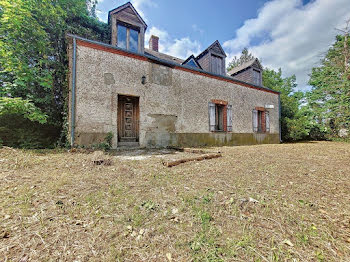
<point x="140" y="4"/>
<point x="291" y="35"/>
<point x="181" y="48"/>
<point x="101" y="15"/>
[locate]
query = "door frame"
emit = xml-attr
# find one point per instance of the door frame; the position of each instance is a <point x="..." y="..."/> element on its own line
<point x="136" y="124"/>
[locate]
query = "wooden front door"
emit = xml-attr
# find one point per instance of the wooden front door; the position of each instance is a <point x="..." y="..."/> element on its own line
<point x="128" y="118"/>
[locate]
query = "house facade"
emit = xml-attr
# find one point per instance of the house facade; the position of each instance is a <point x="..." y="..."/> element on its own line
<point x="150" y="99"/>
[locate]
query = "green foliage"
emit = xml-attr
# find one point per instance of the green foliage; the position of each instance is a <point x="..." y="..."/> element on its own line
<point x="13" y="106"/>
<point x="329" y="99"/>
<point x="245" y="57"/>
<point x="106" y="144"/>
<point x="109" y="138"/>
<point x="149" y="205"/>
<point x="204" y="246"/>
<point x="295" y="124"/>
<point x="18" y="131"/>
<point x="33" y="47"/>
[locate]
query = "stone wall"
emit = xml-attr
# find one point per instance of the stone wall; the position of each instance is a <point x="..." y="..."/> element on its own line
<point x="173" y="101"/>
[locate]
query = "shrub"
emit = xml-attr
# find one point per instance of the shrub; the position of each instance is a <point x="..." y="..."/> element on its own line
<point x="106" y="144"/>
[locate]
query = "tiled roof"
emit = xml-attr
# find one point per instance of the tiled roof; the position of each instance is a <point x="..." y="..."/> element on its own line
<point x="214" y="46"/>
<point x="164" y="56"/>
<point x="191" y="57"/>
<point x="242" y="66"/>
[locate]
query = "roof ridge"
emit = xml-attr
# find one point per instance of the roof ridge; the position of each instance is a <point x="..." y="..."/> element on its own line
<point x="128" y="4"/>
<point x="215" y="42"/>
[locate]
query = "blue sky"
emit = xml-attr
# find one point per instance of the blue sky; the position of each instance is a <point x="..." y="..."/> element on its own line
<point x="291" y="34"/>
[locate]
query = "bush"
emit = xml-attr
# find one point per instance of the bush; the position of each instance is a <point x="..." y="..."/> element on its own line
<point x="106" y="144"/>
<point x="17" y="131"/>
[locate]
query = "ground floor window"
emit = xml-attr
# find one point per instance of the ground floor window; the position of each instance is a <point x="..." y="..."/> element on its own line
<point x="220" y="116"/>
<point x="261" y="120"/>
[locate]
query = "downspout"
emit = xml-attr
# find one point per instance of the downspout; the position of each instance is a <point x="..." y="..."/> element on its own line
<point x="279" y="116"/>
<point x="73" y="92"/>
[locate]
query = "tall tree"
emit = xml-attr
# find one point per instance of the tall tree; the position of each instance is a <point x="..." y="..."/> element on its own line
<point x="33" y="59"/>
<point x="294" y="122"/>
<point x="329" y="98"/>
<point x="237" y="61"/>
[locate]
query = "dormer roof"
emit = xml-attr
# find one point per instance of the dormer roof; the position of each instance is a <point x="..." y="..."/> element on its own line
<point x="190" y="61"/>
<point x="254" y="62"/>
<point x="131" y="10"/>
<point x="214" y="48"/>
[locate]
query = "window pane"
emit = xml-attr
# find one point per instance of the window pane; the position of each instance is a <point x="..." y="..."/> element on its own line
<point x="134" y="43"/>
<point x="260" y="121"/>
<point x="219" y="118"/>
<point x="121" y="36"/>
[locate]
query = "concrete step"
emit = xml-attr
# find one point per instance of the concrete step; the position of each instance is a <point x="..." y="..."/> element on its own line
<point x="129" y="144"/>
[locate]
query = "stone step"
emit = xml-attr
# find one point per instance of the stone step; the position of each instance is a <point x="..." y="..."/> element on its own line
<point x="129" y="144"/>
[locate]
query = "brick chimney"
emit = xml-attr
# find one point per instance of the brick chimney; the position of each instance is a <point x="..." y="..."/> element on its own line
<point x="153" y="43"/>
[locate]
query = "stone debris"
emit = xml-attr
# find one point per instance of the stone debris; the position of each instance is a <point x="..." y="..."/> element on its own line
<point x="99" y="158"/>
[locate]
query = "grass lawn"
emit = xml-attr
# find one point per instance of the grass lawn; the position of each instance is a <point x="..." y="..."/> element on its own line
<point x="287" y="202"/>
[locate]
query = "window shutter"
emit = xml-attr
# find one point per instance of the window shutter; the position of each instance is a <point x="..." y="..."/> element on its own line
<point x="267" y="118"/>
<point x="255" y="120"/>
<point x="211" y="116"/>
<point x="229" y="118"/>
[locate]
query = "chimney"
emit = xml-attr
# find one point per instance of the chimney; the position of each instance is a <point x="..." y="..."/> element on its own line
<point x="153" y="43"/>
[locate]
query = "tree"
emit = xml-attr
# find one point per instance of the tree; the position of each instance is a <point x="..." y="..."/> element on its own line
<point x="245" y="57"/>
<point x="295" y="123"/>
<point x="329" y="98"/>
<point x="33" y="59"/>
<point x="18" y="106"/>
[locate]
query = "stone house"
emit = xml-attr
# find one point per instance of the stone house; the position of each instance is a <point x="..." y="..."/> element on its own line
<point x="150" y="99"/>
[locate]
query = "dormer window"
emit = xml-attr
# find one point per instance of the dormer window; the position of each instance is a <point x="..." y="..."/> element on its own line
<point x="249" y="72"/>
<point x="217" y="65"/>
<point x="212" y="59"/>
<point x="127" y="28"/>
<point x="256" y="77"/>
<point x="191" y="61"/>
<point x="127" y="37"/>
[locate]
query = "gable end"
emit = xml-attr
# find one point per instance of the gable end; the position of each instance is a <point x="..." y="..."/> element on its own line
<point x="127" y="12"/>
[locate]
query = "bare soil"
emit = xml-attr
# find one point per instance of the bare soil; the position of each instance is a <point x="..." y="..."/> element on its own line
<point x="287" y="202"/>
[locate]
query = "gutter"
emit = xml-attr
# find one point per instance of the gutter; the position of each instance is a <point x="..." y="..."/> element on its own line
<point x="279" y="116"/>
<point x="73" y="91"/>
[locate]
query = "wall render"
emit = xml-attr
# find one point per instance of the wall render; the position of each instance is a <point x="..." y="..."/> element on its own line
<point x="173" y="102"/>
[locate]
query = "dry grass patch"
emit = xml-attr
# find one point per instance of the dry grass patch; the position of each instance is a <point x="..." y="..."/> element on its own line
<point x="287" y="202"/>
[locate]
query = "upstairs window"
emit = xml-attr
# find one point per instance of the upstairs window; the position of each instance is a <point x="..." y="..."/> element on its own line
<point x="134" y="40"/>
<point x="127" y="38"/>
<point x="256" y="77"/>
<point x="217" y="65"/>
<point x="121" y="38"/>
